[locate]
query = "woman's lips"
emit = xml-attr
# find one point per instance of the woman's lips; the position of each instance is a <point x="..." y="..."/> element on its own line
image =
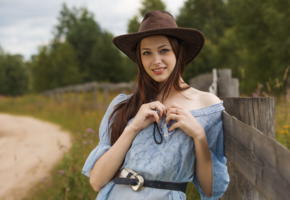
<point x="158" y="71"/>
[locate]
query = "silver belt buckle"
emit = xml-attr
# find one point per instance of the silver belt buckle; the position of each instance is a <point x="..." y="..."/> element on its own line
<point x="125" y="172"/>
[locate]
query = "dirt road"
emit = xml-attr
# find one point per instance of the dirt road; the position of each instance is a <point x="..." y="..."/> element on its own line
<point x="29" y="148"/>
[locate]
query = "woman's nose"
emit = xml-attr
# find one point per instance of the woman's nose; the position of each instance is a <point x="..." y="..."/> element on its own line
<point x="156" y="59"/>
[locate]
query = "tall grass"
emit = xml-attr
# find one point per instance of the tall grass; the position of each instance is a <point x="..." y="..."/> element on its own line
<point x="81" y="115"/>
<point x="282" y="120"/>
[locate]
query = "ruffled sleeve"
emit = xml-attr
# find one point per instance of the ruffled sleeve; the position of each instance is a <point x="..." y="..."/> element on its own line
<point x="215" y="140"/>
<point x="104" y="139"/>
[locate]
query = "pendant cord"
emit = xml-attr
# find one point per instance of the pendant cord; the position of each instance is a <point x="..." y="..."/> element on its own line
<point x="154" y="134"/>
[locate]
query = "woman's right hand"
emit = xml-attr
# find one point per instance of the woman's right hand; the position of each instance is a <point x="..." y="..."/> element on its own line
<point x="147" y="114"/>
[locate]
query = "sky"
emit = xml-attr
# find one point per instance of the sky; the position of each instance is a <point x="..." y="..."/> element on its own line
<point x="27" y="24"/>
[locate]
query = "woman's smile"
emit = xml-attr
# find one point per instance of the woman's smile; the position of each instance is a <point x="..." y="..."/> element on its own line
<point x="159" y="70"/>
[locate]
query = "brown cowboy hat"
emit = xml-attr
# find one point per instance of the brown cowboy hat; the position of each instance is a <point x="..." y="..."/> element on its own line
<point x="161" y="23"/>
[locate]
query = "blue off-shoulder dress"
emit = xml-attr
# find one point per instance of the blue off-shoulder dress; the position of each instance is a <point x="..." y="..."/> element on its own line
<point x="173" y="160"/>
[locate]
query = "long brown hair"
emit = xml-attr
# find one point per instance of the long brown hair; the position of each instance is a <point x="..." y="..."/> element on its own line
<point x="146" y="90"/>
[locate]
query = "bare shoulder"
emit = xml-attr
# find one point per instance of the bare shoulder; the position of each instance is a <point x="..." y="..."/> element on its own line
<point x="209" y="98"/>
<point x="199" y="99"/>
<point x="203" y="96"/>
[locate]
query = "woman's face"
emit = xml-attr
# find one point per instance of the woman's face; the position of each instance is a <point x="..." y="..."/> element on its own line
<point x="157" y="56"/>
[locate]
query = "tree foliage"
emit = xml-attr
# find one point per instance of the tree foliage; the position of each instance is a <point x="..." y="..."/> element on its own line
<point x="133" y="24"/>
<point x="262" y="32"/>
<point x="79" y="52"/>
<point x="78" y="27"/>
<point x="249" y="37"/>
<point x="108" y="62"/>
<point x="147" y="5"/>
<point x="210" y="17"/>
<point x="13" y="74"/>
<point x="54" y="67"/>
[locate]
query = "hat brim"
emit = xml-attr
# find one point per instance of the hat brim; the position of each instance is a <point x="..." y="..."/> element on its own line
<point x="193" y="41"/>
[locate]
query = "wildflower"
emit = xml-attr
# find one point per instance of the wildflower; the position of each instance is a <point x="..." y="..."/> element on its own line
<point x="85" y="142"/>
<point x="286" y="126"/>
<point x="283" y="132"/>
<point x="90" y="130"/>
<point x="61" y="172"/>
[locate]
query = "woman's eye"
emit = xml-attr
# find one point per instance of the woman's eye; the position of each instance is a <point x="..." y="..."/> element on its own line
<point x="164" y="50"/>
<point x="146" y="53"/>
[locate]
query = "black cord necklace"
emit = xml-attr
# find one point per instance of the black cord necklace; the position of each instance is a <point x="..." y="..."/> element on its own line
<point x="158" y="129"/>
<point x="159" y="132"/>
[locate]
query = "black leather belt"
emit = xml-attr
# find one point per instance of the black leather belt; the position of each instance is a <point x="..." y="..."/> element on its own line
<point x="154" y="184"/>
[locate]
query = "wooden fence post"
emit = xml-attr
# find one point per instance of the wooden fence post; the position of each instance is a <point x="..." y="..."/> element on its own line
<point x="227" y="86"/>
<point x="257" y="112"/>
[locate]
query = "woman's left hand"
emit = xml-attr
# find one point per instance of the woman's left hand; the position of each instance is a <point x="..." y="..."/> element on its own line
<point x="184" y="120"/>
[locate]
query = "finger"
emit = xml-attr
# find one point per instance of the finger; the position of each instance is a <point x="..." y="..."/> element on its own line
<point x="152" y="117"/>
<point x="153" y="114"/>
<point x="169" y="111"/>
<point x="159" y="108"/>
<point x="173" y="111"/>
<point x="178" y="111"/>
<point x="162" y="108"/>
<point x="174" y="126"/>
<point x="156" y="105"/>
<point x="171" y="116"/>
<point x="174" y="106"/>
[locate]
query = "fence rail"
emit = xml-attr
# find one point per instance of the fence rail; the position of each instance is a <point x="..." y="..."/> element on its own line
<point x="90" y="87"/>
<point x="260" y="159"/>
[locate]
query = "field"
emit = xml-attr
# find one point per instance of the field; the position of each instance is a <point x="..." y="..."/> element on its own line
<point x="80" y="114"/>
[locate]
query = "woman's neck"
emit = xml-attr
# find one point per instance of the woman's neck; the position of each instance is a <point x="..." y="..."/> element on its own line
<point x="172" y="91"/>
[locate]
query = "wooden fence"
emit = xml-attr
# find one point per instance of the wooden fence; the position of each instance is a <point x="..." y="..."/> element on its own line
<point x="90" y="87"/>
<point x="259" y="166"/>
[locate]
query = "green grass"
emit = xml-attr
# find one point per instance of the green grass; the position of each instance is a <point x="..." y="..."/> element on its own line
<point x="80" y="115"/>
<point x="282" y="120"/>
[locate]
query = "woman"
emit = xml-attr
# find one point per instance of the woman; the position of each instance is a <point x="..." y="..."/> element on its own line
<point x="166" y="133"/>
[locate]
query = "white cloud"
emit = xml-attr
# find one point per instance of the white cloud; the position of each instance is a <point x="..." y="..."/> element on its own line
<point x="25" y="25"/>
<point x="25" y="36"/>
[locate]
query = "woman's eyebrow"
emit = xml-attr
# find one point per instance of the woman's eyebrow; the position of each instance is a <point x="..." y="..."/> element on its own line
<point x="162" y="46"/>
<point x="157" y="47"/>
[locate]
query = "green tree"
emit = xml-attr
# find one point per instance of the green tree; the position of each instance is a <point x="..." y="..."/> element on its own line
<point x="209" y="16"/>
<point x="262" y="29"/>
<point x="13" y="74"/>
<point x="107" y="61"/>
<point x="54" y="67"/>
<point x="78" y="27"/>
<point x="79" y="52"/>
<point x="212" y="19"/>
<point x="249" y="37"/>
<point x="147" y="5"/>
<point x="133" y="24"/>
<point x="93" y="46"/>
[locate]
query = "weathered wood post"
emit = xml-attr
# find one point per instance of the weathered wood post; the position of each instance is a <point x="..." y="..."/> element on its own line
<point x="227" y="86"/>
<point x="219" y="82"/>
<point x="257" y="112"/>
